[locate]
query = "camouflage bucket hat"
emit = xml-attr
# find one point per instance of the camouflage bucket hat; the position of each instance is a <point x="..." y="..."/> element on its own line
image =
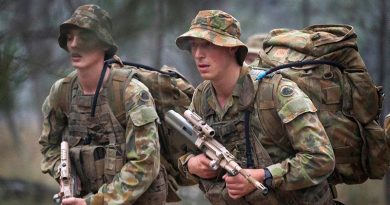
<point x="217" y="27"/>
<point x="93" y="18"/>
<point x="255" y="42"/>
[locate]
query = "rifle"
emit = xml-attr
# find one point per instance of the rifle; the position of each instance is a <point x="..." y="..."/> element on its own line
<point x="68" y="185"/>
<point x="202" y="135"/>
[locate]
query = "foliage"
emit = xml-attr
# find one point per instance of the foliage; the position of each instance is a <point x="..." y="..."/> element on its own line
<point x="11" y="75"/>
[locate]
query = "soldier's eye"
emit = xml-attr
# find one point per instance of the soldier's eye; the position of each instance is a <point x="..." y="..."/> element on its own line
<point x="69" y="37"/>
<point x="207" y="45"/>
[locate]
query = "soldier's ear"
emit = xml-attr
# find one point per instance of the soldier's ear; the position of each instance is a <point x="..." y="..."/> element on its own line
<point x="105" y="47"/>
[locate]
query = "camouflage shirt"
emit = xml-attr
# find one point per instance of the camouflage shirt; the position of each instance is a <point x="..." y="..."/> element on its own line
<point x="141" y="144"/>
<point x="308" y="159"/>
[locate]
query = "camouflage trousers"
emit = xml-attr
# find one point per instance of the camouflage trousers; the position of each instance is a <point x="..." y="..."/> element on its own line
<point x="216" y="192"/>
<point x="157" y="193"/>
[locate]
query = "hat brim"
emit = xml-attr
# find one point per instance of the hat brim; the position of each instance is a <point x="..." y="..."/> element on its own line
<point x="215" y="38"/>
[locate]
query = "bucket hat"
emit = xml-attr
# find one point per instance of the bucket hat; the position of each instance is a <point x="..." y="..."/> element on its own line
<point x="93" y="18"/>
<point x="217" y="27"/>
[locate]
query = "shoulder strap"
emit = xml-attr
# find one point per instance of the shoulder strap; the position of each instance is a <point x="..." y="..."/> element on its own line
<point x="120" y="79"/>
<point x="265" y="103"/>
<point x="65" y="92"/>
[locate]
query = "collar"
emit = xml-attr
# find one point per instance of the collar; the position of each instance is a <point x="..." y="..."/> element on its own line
<point x="244" y="89"/>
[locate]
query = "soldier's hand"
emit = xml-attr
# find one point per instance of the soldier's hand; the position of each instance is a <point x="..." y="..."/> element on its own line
<point x="73" y="201"/>
<point x="200" y="166"/>
<point x="238" y="186"/>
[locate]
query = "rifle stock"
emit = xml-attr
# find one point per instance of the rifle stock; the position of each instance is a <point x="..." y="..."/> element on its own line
<point x="202" y="135"/>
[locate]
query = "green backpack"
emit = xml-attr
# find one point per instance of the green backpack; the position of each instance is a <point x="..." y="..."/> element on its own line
<point x="170" y="90"/>
<point x="323" y="60"/>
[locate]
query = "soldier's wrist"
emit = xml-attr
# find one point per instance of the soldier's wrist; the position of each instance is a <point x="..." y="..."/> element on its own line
<point x="185" y="164"/>
<point x="267" y="178"/>
<point x="183" y="167"/>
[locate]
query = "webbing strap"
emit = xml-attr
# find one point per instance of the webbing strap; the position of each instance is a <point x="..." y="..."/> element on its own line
<point x="300" y="64"/>
<point x="120" y="79"/>
<point x="249" y="158"/>
<point x="65" y="92"/>
<point x="99" y="86"/>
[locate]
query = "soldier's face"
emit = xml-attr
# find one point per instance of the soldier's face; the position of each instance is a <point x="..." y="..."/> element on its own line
<point x="84" y="47"/>
<point x="211" y="60"/>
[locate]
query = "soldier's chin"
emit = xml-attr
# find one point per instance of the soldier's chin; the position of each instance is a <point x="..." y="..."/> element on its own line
<point x="206" y="76"/>
<point x="77" y="64"/>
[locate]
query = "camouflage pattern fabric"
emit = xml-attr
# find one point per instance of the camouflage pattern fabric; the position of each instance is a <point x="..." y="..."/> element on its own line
<point x="348" y="101"/>
<point x="300" y="171"/>
<point x="140" y="140"/>
<point x="387" y="128"/>
<point x="217" y="27"/>
<point x="255" y="42"/>
<point x="169" y="93"/>
<point x="93" y="18"/>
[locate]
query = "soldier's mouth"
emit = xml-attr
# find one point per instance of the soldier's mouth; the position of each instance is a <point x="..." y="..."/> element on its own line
<point x="75" y="55"/>
<point x="203" y="66"/>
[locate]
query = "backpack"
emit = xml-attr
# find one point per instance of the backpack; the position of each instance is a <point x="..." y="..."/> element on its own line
<point x="323" y="60"/>
<point x="170" y="90"/>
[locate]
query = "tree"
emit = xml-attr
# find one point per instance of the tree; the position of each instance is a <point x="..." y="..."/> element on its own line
<point x="10" y="79"/>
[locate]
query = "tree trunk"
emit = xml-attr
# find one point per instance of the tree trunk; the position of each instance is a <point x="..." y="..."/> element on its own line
<point x="13" y="129"/>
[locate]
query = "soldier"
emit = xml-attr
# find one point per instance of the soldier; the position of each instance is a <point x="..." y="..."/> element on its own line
<point x="115" y="163"/>
<point x="295" y="166"/>
<point x="254" y="44"/>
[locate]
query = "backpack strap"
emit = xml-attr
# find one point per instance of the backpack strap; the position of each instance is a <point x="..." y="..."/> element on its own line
<point x="120" y="79"/>
<point x="248" y="146"/>
<point x="266" y="105"/>
<point x="65" y="92"/>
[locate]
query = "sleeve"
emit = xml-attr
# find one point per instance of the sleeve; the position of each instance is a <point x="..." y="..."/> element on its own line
<point x="314" y="159"/>
<point x="53" y="128"/>
<point x="142" y="150"/>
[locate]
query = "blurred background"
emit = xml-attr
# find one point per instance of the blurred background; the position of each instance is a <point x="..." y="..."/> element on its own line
<point x="31" y="60"/>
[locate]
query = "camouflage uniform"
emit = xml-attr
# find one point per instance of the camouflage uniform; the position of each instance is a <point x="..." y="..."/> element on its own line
<point x="301" y="166"/>
<point x="255" y="43"/>
<point x="386" y="126"/>
<point x="120" y="163"/>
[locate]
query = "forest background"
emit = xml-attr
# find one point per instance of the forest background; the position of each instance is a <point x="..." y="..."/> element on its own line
<point x="31" y="61"/>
